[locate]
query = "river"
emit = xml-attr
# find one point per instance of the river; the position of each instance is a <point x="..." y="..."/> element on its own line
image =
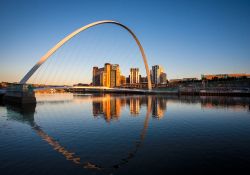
<point x="118" y="134"/>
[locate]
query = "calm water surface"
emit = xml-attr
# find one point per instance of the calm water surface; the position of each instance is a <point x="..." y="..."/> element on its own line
<point x="112" y="134"/>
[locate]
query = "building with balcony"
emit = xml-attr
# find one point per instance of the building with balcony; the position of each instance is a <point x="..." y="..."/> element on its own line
<point x="134" y="75"/>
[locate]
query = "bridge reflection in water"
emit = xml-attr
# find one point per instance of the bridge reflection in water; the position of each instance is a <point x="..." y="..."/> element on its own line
<point x="109" y="107"/>
<point x="25" y="114"/>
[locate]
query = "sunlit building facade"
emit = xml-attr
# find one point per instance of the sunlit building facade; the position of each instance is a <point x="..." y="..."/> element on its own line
<point x="122" y="79"/>
<point x="114" y="75"/>
<point x="108" y="76"/>
<point x="134" y="75"/>
<point x="163" y="78"/>
<point x="158" y="75"/>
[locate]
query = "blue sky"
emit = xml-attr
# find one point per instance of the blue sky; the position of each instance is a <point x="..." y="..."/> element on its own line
<point x="187" y="38"/>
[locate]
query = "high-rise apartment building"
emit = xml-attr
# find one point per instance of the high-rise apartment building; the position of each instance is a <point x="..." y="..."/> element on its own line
<point x="134" y="75"/>
<point x="158" y="75"/>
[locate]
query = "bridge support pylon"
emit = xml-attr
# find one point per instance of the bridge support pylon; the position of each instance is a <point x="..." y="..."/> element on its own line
<point x="20" y="94"/>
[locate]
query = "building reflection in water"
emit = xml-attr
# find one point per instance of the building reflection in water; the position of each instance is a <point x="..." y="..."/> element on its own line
<point x="233" y="103"/>
<point x="110" y="107"/>
<point x="214" y="102"/>
<point x="159" y="107"/>
<point x="135" y="105"/>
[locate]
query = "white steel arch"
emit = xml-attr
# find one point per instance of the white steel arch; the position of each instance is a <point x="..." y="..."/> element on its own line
<point x="67" y="38"/>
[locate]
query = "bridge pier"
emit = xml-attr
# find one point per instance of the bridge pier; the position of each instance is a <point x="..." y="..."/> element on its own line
<point x="20" y="94"/>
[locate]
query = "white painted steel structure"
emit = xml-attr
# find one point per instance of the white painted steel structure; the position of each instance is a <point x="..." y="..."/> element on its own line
<point x="67" y="38"/>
